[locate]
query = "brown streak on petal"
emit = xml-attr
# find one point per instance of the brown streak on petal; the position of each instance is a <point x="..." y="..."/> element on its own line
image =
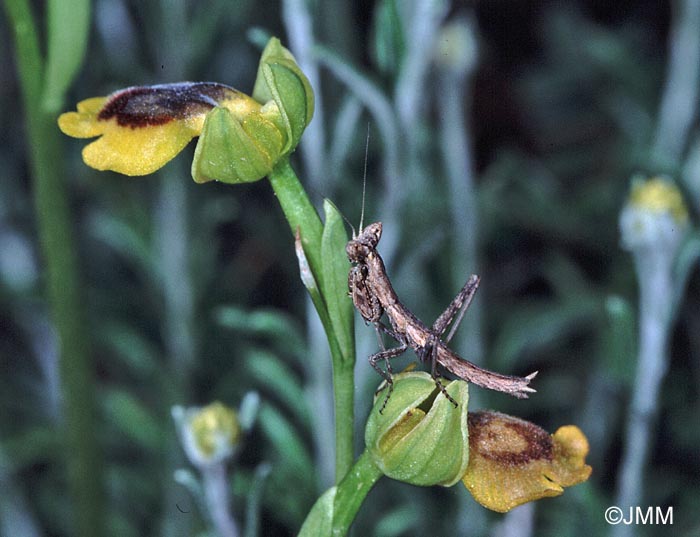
<point x="508" y="440"/>
<point x="143" y="106"/>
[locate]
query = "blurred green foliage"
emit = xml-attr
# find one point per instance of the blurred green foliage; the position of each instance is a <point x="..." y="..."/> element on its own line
<point x="193" y="292"/>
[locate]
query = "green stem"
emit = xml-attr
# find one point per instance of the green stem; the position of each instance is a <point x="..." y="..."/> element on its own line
<point x="344" y="396"/>
<point x="298" y="210"/>
<point x="352" y="491"/>
<point x="55" y="235"/>
<point x="302" y="215"/>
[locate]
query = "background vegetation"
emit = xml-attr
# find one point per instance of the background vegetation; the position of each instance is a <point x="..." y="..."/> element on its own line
<point x="504" y="148"/>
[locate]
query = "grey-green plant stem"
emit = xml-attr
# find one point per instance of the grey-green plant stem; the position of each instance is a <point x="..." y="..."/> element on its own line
<point x="172" y="246"/>
<point x="422" y="20"/>
<point x="422" y="28"/>
<point x="656" y="294"/>
<point x="216" y="493"/>
<point x="174" y="277"/>
<point x="173" y="249"/>
<point x="302" y="216"/>
<point x="654" y="271"/>
<point x="254" y="500"/>
<point x="678" y="108"/>
<point x="83" y="460"/>
<point x="343" y="134"/>
<point x="372" y="98"/>
<point x="298" y="23"/>
<point x="455" y="143"/>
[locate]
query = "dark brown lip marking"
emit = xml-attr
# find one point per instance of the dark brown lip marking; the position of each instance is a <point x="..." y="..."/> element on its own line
<point x="143" y="106"/>
<point x="483" y="427"/>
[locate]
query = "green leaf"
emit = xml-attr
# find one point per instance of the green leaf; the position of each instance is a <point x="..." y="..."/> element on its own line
<point x="68" y="27"/>
<point x="134" y="352"/>
<point x="280" y="380"/>
<point x="388" y="38"/>
<point x="254" y="495"/>
<point x="286" y="441"/>
<point x="124" y="237"/>
<point x="335" y="279"/>
<point x="133" y="419"/>
<point x="29" y="447"/>
<point x="265" y="322"/>
<point x="618" y="340"/>
<point x="292" y="465"/>
<point x="319" y="522"/>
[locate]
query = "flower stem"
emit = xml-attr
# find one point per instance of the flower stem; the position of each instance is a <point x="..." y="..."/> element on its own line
<point x="298" y="210"/>
<point x="215" y="483"/>
<point x="302" y="216"/>
<point x="352" y="491"/>
<point x="655" y="314"/>
<point x="678" y="107"/>
<point x="62" y="285"/>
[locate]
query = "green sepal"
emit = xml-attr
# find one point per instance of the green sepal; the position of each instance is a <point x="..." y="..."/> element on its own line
<point x="334" y="279"/>
<point x="418" y="439"/>
<point x="281" y="80"/>
<point x="233" y="151"/>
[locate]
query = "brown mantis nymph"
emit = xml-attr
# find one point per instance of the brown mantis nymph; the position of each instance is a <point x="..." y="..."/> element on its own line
<point x="373" y="295"/>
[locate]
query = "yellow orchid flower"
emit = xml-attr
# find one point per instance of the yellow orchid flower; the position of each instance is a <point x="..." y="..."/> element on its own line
<point x="142" y="128"/>
<point x="422" y="439"/>
<point x="241" y="138"/>
<point x="512" y="461"/>
<point x="210" y="434"/>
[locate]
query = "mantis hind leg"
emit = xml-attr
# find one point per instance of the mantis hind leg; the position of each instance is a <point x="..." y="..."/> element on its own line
<point x="459" y="305"/>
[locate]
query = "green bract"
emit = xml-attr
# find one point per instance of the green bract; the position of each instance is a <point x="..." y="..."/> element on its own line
<point x="232" y="149"/>
<point x="281" y="80"/>
<point x="420" y="438"/>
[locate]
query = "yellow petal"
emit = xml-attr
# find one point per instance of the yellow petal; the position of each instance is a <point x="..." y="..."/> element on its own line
<point x="512" y="461"/>
<point x="138" y="151"/>
<point x="83" y="123"/>
<point x="92" y="105"/>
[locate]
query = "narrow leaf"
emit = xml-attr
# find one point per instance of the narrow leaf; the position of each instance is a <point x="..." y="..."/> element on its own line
<point x="68" y="27"/>
<point x="335" y="279"/>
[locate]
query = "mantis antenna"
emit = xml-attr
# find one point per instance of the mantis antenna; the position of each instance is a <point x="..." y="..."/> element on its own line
<point x="364" y="181"/>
